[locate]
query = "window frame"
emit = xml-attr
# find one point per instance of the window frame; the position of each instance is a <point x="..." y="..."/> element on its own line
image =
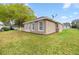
<point x="41" y="25"/>
<point x="32" y="26"/>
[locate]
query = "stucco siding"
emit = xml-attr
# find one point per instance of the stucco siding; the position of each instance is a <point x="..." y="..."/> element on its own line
<point x="50" y="27"/>
<point x="60" y="27"/>
<point x="27" y="27"/>
<point x="37" y="28"/>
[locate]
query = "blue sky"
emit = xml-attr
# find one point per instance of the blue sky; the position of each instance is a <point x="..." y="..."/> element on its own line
<point x="65" y="12"/>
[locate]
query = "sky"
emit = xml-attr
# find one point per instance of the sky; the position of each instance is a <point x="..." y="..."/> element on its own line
<point x="65" y="12"/>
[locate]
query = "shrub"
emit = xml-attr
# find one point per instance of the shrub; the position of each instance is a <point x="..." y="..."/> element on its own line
<point x="5" y="28"/>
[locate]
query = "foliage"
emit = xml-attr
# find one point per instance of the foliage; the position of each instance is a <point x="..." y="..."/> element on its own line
<point x="5" y="28"/>
<point x="75" y="23"/>
<point x="67" y="24"/>
<point x="17" y="12"/>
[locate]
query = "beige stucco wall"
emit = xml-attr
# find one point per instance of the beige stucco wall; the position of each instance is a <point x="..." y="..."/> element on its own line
<point x="50" y="27"/>
<point x="37" y="28"/>
<point x="60" y="26"/>
<point x="25" y="27"/>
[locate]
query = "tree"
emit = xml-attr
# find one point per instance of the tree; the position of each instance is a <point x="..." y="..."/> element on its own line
<point x="75" y="23"/>
<point x="2" y="13"/>
<point x="16" y="12"/>
<point x="54" y="15"/>
<point x="67" y="25"/>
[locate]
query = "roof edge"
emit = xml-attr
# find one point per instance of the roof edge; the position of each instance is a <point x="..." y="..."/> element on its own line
<point x="42" y="18"/>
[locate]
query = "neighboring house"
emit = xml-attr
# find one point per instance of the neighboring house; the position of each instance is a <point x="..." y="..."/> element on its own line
<point x="1" y="25"/>
<point x="67" y="25"/>
<point x="43" y="25"/>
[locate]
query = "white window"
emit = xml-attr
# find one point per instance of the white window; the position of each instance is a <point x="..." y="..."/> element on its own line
<point x="41" y="26"/>
<point x="27" y="27"/>
<point x="32" y="26"/>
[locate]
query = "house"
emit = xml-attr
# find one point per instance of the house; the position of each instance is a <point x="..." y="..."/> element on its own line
<point x="66" y="25"/>
<point x="43" y="25"/>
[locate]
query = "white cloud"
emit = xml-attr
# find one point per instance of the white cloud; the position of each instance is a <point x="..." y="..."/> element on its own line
<point x="66" y="5"/>
<point x="76" y="5"/>
<point x="64" y="17"/>
<point x="75" y="13"/>
<point x="26" y="4"/>
<point x="70" y="16"/>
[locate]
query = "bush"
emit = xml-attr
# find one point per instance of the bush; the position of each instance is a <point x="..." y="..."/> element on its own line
<point x="5" y="28"/>
<point x="11" y="28"/>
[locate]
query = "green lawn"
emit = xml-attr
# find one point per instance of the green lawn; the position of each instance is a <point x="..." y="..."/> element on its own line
<point x="17" y="42"/>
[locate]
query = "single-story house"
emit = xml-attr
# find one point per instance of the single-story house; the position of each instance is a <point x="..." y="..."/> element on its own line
<point x="66" y="25"/>
<point x="43" y="25"/>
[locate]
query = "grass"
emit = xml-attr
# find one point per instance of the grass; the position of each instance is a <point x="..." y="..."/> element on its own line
<point x="22" y="43"/>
